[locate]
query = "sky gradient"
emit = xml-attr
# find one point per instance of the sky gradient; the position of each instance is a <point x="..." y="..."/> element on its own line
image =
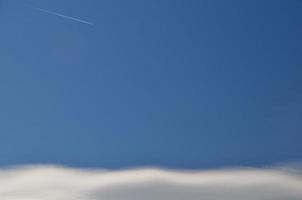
<point x="171" y="83"/>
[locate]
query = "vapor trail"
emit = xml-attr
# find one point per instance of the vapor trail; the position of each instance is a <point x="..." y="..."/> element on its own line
<point x="63" y="16"/>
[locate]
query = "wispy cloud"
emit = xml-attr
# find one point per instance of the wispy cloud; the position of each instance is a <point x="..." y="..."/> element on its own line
<point x="62" y="15"/>
<point x="51" y="182"/>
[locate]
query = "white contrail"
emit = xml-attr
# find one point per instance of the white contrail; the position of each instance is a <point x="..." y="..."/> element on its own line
<point x="63" y="16"/>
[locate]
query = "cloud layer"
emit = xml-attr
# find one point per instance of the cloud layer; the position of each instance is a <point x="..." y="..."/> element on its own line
<point x="59" y="183"/>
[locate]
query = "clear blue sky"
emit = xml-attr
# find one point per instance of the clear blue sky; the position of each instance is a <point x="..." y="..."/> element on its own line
<point x="173" y="83"/>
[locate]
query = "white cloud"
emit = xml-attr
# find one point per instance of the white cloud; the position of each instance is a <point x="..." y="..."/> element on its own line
<point x="59" y="183"/>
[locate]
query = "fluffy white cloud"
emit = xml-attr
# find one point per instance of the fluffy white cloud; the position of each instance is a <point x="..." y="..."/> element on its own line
<point x="59" y="183"/>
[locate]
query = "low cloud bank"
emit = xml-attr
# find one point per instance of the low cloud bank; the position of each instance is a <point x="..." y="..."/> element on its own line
<point x="60" y="183"/>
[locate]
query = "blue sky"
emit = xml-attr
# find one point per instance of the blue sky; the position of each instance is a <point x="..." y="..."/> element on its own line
<point x="173" y="83"/>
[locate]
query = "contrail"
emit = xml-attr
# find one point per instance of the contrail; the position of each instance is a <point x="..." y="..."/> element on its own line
<point x="63" y="16"/>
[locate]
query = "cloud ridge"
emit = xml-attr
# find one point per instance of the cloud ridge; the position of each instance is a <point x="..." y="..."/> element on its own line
<point x="58" y="183"/>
